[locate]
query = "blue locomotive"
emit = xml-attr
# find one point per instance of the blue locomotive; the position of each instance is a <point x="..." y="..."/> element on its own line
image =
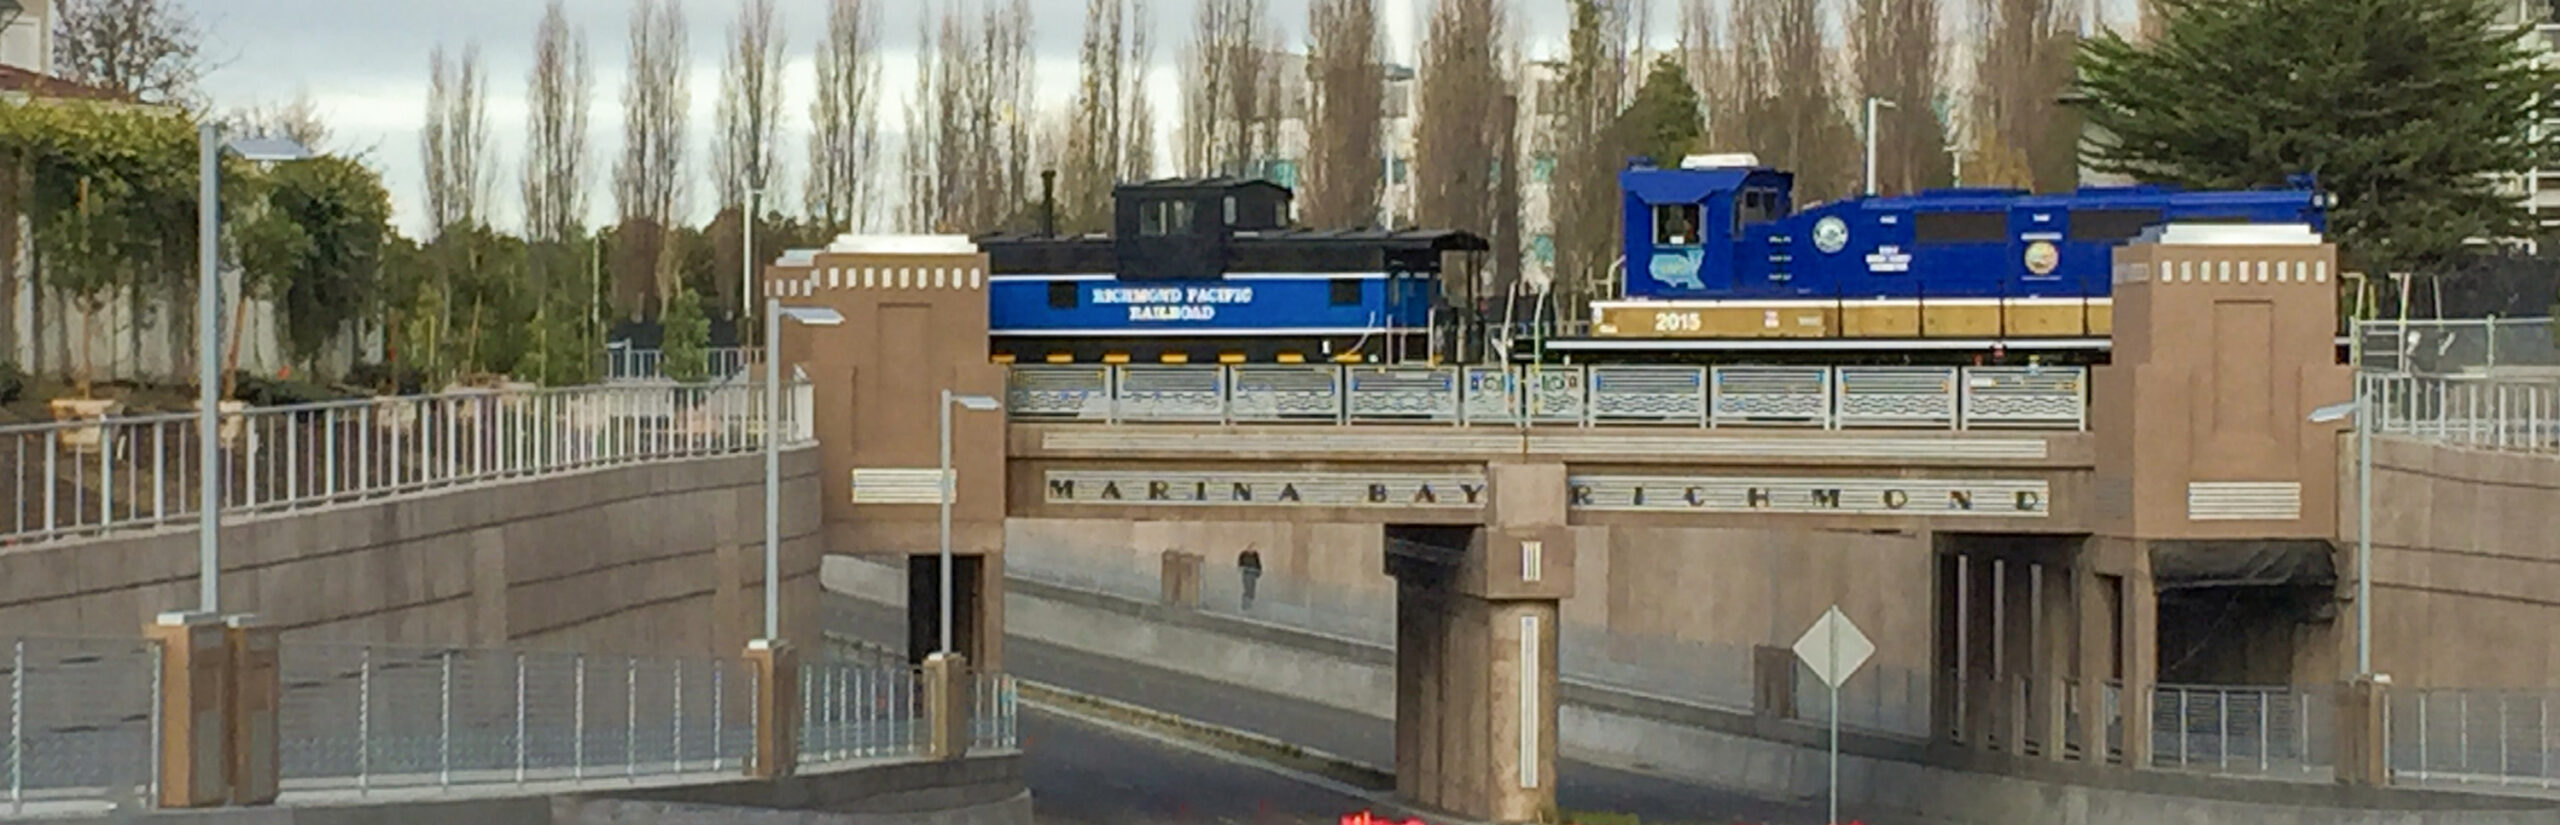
<point x="1209" y="270"/>
<point x="1715" y="252"/>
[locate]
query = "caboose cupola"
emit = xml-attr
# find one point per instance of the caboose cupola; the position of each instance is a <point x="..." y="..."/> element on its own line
<point x="1184" y="228"/>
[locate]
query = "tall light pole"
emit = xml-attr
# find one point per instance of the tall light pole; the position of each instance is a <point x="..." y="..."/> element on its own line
<point x="209" y="147"/>
<point x="774" y="314"/>
<point x="976" y="403"/>
<point x="747" y="266"/>
<point x="1873" y="103"/>
<point x="2360" y="411"/>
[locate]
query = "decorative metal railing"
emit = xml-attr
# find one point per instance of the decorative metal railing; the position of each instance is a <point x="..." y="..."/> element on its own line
<point x="1816" y="397"/>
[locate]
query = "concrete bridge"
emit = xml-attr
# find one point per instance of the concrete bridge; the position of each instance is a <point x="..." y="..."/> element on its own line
<point x="2067" y="523"/>
<point x="2033" y="539"/>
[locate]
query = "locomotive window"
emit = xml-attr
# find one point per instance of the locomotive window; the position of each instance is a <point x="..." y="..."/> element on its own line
<point x="1346" y="292"/>
<point x="1675" y="224"/>
<point x="1062" y="294"/>
<point x="2111" y="225"/>
<point x="1960" y="227"/>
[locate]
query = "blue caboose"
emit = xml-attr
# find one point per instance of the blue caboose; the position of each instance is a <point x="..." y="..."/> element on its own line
<point x="1714" y="249"/>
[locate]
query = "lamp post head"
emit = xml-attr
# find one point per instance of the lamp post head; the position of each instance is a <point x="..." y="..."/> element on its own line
<point x="976" y="403"/>
<point x="2334" y="413"/>
<point x="812" y="316"/>
<point x="266" y="149"/>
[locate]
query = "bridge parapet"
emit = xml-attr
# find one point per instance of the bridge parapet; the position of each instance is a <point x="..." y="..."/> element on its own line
<point x="1801" y="397"/>
<point x="2023" y="481"/>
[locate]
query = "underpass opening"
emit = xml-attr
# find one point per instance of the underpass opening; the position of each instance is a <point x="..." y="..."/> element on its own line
<point x="924" y="607"/>
<point x="2019" y="617"/>
<point x="2259" y="613"/>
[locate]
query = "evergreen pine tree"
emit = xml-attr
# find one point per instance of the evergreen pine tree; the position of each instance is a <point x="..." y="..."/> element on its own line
<point x="2416" y="113"/>
<point x="1664" y="121"/>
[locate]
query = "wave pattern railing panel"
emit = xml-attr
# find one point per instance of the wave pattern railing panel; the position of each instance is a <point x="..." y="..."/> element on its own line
<point x="1815" y="397"/>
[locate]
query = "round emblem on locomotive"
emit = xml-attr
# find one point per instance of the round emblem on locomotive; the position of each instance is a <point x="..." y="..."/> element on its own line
<point x="1830" y="235"/>
<point x="2042" y="257"/>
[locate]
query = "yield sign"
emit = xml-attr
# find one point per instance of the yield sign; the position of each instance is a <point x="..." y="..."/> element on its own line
<point x="1834" y="648"/>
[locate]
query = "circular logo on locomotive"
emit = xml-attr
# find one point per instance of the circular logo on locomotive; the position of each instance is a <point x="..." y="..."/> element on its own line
<point x="1830" y="235"/>
<point x="2042" y="258"/>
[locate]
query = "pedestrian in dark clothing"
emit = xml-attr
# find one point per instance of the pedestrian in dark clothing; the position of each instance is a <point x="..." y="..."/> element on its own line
<point x="1249" y="563"/>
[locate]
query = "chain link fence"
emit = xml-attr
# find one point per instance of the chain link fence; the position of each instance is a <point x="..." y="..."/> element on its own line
<point x="2460" y="347"/>
<point x="82" y="720"/>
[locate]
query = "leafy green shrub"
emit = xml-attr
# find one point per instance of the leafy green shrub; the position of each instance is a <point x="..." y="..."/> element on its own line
<point x="264" y="391"/>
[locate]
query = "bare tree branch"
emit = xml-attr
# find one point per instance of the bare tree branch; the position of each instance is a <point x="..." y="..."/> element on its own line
<point x="1096" y="130"/>
<point x="456" y="140"/>
<point x="2025" y="65"/>
<point x="559" y="93"/>
<point x="150" y="49"/>
<point x="1346" y="80"/>
<point x="648" y="183"/>
<point x="844" y="142"/>
<point x="745" y="151"/>
<point x="1895" y="43"/>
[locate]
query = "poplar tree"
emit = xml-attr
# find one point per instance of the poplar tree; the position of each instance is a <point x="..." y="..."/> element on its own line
<point x="2417" y="114"/>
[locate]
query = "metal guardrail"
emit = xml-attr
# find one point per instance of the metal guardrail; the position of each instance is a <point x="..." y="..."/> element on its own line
<point x="622" y="364"/>
<point x="2475" y="737"/>
<point x="2272" y="731"/>
<point x="2486" y="413"/>
<point x="89" y="476"/>
<point x="372" y="716"/>
<point x="82" y="718"/>
<point x="1945" y="398"/>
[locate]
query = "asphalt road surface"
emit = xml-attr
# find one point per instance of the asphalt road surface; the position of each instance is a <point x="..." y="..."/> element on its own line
<point x="1126" y="776"/>
<point x="1084" y="775"/>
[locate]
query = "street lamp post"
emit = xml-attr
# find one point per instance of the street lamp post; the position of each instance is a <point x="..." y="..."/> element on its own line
<point x="774" y="313"/>
<point x="209" y="147"/>
<point x="977" y="403"/>
<point x="2361" y="411"/>
<point x="1873" y="103"/>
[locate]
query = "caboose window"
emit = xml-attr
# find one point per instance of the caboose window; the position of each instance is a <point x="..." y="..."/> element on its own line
<point x="1165" y="218"/>
<point x="1062" y="294"/>
<point x="1675" y="224"/>
<point x="1960" y="227"/>
<point x="1346" y="292"/>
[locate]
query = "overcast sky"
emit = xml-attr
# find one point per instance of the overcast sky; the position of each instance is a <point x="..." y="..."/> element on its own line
<point x="364" y="62"/>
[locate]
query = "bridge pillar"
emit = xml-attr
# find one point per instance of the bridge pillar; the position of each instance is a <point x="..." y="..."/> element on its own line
<point x="2209" y="474"/>
<point x="777" y="711"/>
<point x="915" y="326"/>
<point x="1476" y="660"/>
<point x="195" y="664"/>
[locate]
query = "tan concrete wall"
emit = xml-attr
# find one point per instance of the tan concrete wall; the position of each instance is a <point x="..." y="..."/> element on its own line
<point x="2466" y="565"/>
<point x="661" y="557"/>
<point x="1722" y="589"/>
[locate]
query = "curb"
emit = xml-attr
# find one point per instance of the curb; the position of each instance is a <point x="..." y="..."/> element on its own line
<point x="1243" y="743"/>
